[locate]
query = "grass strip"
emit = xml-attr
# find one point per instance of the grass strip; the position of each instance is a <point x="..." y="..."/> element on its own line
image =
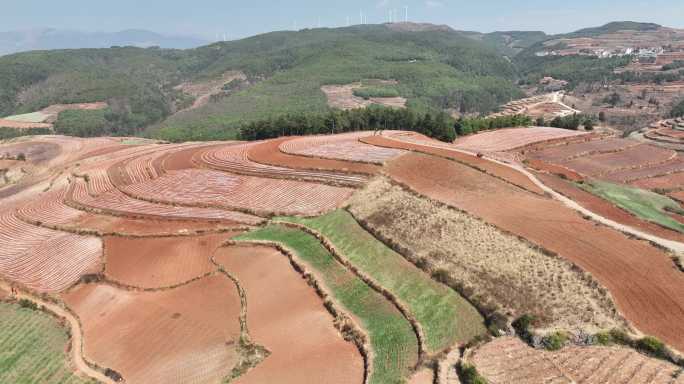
<point x="444" y="316"/>
<point x="644" y="204"/>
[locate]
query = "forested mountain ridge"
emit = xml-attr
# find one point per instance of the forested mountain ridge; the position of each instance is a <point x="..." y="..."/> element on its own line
<point x="436" y="69"/>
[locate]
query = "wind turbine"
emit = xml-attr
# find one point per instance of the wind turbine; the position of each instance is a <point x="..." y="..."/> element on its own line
<point x="406" y="13"/>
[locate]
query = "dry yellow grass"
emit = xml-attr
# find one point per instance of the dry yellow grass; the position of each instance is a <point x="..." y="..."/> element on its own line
<point x="495" y="269"/>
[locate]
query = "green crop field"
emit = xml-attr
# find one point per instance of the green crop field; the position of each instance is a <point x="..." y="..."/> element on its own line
<point x="644" y="204"/>
<point x="445" y="316"/>
<point x="35" y="117"/>
<point x="32" y="348"/>
<point x="394" y="344"/>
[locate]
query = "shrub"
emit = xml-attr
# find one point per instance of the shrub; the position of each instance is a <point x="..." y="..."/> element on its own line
<point x="603" y="338"/>
<point x="522" y="326"/>
<point x="21" y="156"/>
<point x="28" y="304"/>
<point x="496" y="322"/>
<point x="652" y="346"/>
<point x="555" y="341"/>
<point x="619" y="336"/>
<point x="469" y="375"/>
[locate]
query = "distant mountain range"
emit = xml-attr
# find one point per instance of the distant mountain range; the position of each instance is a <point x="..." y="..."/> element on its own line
<point x="43" y="39"/>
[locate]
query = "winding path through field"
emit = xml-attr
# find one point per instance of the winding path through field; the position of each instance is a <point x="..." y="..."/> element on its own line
<point x="76" y="334"/>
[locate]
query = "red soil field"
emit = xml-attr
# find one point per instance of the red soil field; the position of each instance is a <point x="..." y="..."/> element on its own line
<point x="574" y="150"/>
<point x="554" y="169"/>
<point x="679" y="196"/>
<point x="117" y="203"/>
<point x="673" y="181"/>
<point x="286" y="316"/>
<point x="160" y="262"/>
<point x="235" y="159"/>
<point x="511" y="138"/>
<point x="206" y="188"/>
<point x="183" y="335"/>
<point x="35" y="151"/>
<point x="673" y="166"/>
<point x="178" y="160"/>
<point x="492" y="168"/>
<point x="144" y="227"/>
<point x="509" y="360"/>
<point x="103" y="151"/>
<point x="606" y="209"/>
<point x="345" y="146"/>
<point x="636" y="157"/>
<point x="48" y="208"/>
<point x="268" y="152"/>
<point x="43" y="259"/>
<point x="653" y="301"/>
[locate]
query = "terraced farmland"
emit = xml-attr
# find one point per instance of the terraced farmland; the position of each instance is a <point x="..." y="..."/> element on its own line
<point x="391" y="338"/>
<point x="218" y="261"/>
<point x="444" y="317"/>
<point x="29" y="336"/>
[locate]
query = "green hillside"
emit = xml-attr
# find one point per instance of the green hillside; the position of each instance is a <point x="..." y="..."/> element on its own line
<point x="436" y="69"/>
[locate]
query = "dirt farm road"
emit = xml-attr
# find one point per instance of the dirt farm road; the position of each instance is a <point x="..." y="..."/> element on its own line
<point x="672" y="245"/>
<point x="76" y="334"/>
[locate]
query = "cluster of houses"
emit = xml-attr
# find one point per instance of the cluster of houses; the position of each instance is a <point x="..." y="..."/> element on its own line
<point x="603" y="53"/>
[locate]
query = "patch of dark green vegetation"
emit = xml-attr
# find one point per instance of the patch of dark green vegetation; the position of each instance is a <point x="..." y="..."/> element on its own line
<point x="438" y="125"/>
<point x="11" y="133"/>
<point x="466" y="126"/>
<point x="678" y="109"/>
<point x="468" y="374"/>
<point x="85" y="123"/>
<point x="376" y="91"/>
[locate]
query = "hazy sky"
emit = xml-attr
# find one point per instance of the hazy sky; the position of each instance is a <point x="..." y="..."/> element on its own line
<point x="207" y="18"/>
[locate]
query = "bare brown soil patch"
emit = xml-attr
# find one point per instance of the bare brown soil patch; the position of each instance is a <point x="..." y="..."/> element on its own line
<point x="679" y="196"/>
<point x="345" y="146"/>
<point x="497" y="270"/>
<point x="548" y="106"/>
<point x="204" y="90"/>
<point x="182" y="159"/>
<point x="554" y="169"/>
<point x="287" y="317"/>
<point x="145" y="227"/>
<point x="342" y="97"/>
<point x="640" y="156"/>
<point x="186" y="335"/>
<point x="507" y="139"/>
<point x="509" y="360"/>
<point x="269" y="152"/>
<point x="424" y="376"/>
<point x="160" y="262"/>
<point x="492" y="168"/>
<point x="673" y="181"/>
<point x="654" y="298"/>
<point x="606" y="209"/>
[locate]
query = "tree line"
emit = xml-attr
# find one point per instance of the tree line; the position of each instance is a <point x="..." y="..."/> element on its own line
<point x="437" y="125"/>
